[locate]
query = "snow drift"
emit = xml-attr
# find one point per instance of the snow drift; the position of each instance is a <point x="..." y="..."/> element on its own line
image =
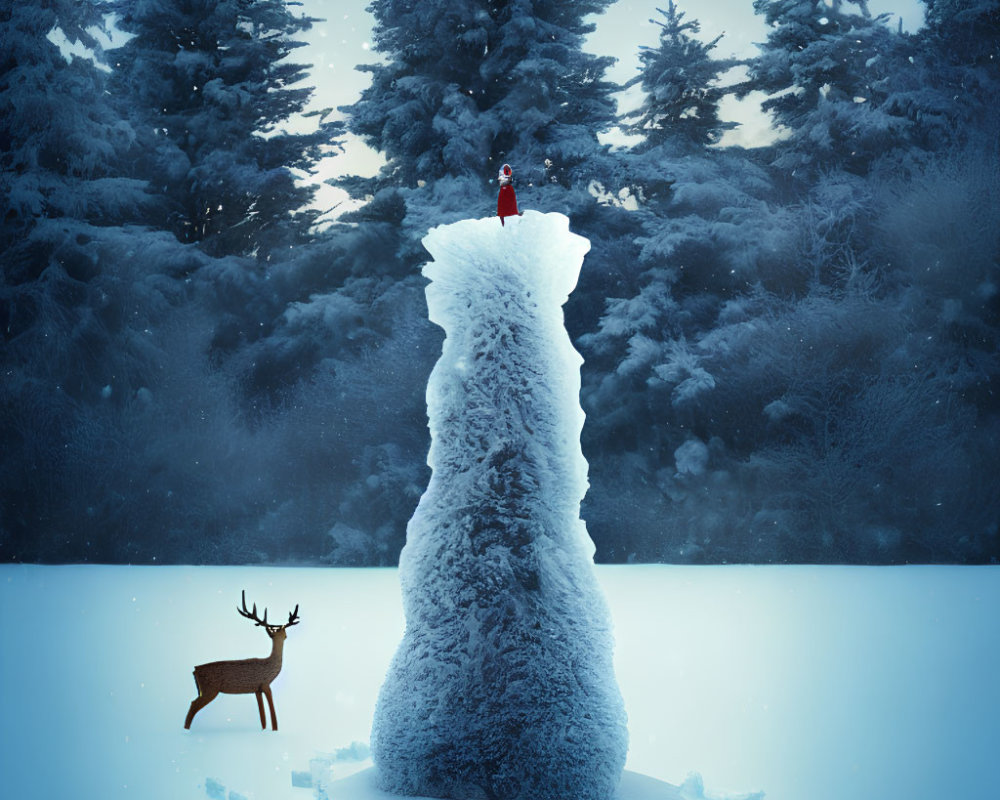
<point x="503" y="685"/>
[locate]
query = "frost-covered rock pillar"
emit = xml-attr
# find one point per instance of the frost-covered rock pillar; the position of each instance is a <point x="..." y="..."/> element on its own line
<point x="503" y="685"/>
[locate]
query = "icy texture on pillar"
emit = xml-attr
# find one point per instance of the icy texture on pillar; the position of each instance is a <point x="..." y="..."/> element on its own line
<point x="503" y="685"/>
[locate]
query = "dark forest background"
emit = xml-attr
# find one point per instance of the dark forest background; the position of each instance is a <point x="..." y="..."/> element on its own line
<point x="791" y="351"/>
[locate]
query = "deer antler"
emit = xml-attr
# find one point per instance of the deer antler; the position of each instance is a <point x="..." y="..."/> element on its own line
<point x="293" y="617"/>
<point x="253" y="614"/>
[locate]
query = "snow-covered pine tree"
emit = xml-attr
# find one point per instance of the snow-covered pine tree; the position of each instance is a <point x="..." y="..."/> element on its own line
<point x="548" y="97"/>
<point x="702" y="210"/>
<point x="969" y="25"/>
<point x="824" y="68"/>
<point x="210" y="85"/>
<point x="467" y="86"/>
<point x="55" y="135"/>
<point x="953" y="85"/>
<point x="60" y="142"/>
<point x="81" y="299"/>
<point x="680" y="81"/>
<point x="60" y="139"/>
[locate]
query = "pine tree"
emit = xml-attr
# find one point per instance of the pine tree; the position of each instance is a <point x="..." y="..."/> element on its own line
<point x="824" y="68"/>
<point x="211" y="85"/>
<point x="971" y="26"/>
<point x="82" y="290"/>
<point x="469" y="85"/>
<point x="60" y="139"/>
<point x="680" y="81"/>
<point x="955" y="81"/>
<point x="62" y="189"/>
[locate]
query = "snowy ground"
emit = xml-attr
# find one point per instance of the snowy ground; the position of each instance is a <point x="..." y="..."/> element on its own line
<point x="807" y="683"/>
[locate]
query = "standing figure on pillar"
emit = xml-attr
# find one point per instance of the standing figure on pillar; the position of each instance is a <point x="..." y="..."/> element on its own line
<point x="506" y="200"/>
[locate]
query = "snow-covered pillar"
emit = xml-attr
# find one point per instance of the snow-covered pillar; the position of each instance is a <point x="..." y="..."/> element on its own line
<point x="503" y="686"/>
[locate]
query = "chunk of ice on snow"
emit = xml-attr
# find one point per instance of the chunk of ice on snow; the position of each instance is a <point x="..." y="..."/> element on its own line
<point x="503" y="685"/>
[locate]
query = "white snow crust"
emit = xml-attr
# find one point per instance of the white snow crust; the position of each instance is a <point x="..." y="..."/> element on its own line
<point x="503" y="685"/>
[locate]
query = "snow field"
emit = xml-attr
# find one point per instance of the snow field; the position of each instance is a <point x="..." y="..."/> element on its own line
<point x="807" y="683"/>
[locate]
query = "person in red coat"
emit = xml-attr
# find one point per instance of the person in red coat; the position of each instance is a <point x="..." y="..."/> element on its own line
<point x="506" y="200"/>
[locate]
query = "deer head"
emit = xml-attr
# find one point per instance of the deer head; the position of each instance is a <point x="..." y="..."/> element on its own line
<point x="274" y="631"/>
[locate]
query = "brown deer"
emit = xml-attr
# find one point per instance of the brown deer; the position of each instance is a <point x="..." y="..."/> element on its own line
<point x="251" y="675"/>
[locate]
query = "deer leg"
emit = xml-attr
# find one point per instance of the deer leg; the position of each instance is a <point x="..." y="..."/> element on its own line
<point x="196" y="705"/>
<point x="270" y="704"/>
<point x="260" y="707"/>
